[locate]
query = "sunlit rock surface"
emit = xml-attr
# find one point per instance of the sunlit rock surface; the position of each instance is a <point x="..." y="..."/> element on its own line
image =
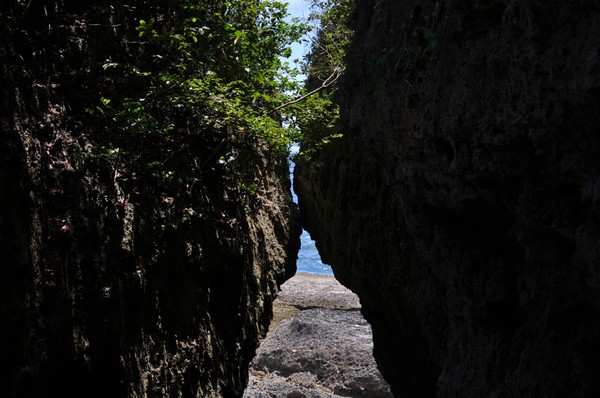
<point x="322" y="349"/>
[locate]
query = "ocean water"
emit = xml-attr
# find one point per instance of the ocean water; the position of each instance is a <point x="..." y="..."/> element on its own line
<point x="309" y="260"/>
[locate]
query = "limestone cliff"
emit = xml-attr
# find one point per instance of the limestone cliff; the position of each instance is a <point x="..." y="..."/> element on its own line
<point x="117" y="283"/>
<point x="462" y="205"/>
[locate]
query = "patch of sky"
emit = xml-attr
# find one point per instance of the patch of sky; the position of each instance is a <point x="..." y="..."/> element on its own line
<point x="309" y="260"/>
<point x="299" y="9"/>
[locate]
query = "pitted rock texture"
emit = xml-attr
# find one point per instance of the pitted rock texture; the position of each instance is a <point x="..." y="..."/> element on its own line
<point x="323" y="351"/>
<point x="114" y="283"/>
<point x="305" y="291"/>
<point x="462" y="203"/>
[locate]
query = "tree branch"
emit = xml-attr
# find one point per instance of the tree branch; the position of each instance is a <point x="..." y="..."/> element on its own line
<point x="326" y="83"/>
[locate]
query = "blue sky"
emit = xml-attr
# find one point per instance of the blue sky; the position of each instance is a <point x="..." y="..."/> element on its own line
<point x="298" y="8"/>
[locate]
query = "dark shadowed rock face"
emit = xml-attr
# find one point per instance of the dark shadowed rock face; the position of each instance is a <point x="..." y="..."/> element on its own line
<point x="112" y="283"/>
<point x="462" y="205"/>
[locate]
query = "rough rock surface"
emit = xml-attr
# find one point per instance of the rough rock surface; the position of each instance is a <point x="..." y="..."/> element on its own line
<point x="115" y="284"/>
<point x="306" y="291"/>
<point x="463" y="204"/>
<point x="323" y="351"/>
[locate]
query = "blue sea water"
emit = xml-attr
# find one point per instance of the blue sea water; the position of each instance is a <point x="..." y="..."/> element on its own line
<point x="309" y="260"/>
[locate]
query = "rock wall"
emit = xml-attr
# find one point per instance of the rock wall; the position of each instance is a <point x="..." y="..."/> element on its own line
<point x="462" y="204"/>
<point x="117" y="284"/>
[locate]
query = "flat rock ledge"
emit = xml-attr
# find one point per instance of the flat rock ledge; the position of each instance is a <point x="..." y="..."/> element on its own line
<point x="318" y="345"/>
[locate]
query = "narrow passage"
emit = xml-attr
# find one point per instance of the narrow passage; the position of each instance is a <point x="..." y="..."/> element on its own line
<point x="318" y="345"/>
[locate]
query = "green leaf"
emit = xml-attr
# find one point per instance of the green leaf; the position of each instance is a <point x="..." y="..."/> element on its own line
<point x="109" y="65"/>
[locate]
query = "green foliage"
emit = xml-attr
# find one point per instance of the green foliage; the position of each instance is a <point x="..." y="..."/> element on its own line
<point x="214" y="71"/>
<point x="202" y="68"/>
<point x="318" y="115"/>
<point x="328" y="51"/>
<point x="250" y="189"/>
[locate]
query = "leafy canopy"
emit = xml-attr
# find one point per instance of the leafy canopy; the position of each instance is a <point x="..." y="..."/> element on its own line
<point x="199" y="68"/>
<point x="204" y="67"/>
<point x="318" y="116"/>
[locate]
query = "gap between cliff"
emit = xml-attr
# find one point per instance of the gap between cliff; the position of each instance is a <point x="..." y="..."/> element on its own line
<point x="318" y="345"/>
